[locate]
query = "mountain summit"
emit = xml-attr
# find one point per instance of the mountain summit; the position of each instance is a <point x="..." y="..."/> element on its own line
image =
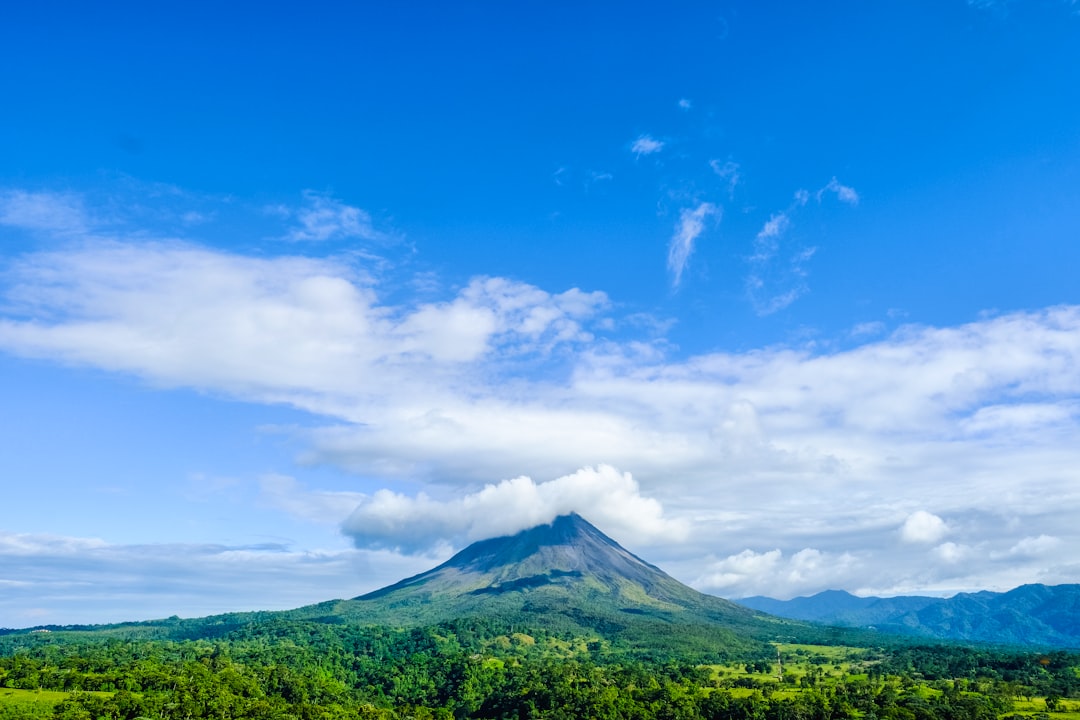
<point x="567" y="552"/>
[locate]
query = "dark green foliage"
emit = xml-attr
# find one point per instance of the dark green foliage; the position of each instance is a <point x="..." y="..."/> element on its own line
<point x="472" y="668"/>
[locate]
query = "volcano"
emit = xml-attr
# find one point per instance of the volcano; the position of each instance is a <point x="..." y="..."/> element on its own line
<point x="567" y="556"/>
<point x="566" y="576"/>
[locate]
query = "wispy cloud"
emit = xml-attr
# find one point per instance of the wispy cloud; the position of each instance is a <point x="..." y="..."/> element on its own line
<point x="646" y="145"/>
<point x="685" y="104"/>
<point x="728" y="171"/>
<point x="70" y="580"/>
<point x="318" y="506"/>
<point x="689" y="228"/>
<point x="778" y="272"/>
<point x="844" y="193"/>
<point x="323" y="217"/>
<point x="43" y="211"/>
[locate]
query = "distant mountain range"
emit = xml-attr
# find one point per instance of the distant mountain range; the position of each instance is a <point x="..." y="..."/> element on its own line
<point x="1033" y="615"/>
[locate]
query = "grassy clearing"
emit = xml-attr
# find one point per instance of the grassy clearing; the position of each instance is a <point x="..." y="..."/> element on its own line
<point x="1070" y="709"/>
<point x="33" y="704"/>
<point x="40" y="697"/>
<point x="11" y="696"/>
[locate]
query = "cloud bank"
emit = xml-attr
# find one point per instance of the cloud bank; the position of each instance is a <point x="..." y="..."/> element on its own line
<point x="448" y="408"/>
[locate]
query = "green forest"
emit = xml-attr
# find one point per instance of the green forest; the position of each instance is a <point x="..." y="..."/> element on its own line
<point x="483" y="668"/>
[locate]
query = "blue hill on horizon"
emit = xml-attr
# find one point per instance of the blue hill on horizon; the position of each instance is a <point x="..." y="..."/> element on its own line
<point x="1031" y="615"/>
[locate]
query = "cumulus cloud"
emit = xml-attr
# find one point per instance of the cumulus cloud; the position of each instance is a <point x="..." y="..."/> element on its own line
<point x="685" y="104"/>
<point x="772" y="572"/>
<point x="923" y="527"/>
<point x="646" y="145"/>
<point x="281" y="329"/>
<point x="951" y="552"/>
<point x="690" y="226"/>
<point x="419" y="523"/>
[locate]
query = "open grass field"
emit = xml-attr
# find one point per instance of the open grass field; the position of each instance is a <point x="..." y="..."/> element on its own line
<point x="28" y="704"/>
<point x="1069" y="709"/>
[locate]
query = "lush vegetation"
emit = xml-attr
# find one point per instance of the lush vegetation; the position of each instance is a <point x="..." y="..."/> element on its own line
<point x="485" y="669"/>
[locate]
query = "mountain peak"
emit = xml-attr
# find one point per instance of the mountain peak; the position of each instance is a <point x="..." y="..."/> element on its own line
<point x="567" y="547"/>
<point x="564" y="574"/>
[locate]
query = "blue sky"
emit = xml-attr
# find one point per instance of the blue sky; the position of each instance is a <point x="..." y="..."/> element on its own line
<point x="296" y="302"/>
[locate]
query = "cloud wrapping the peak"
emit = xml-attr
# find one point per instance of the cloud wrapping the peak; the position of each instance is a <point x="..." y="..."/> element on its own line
<point x="610" y="498"/>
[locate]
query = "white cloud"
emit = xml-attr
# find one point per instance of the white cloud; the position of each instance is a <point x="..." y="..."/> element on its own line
<point x="447" y="394"/>
<point x="283" y="329"/>
<point x="728" y="171"/>
<point x="43" y="211"/>
<point x="685" y="104"/>
<point x="808" y="570"/>
<point x="1032" y="547"/>
<point x="778" y="268"/>
<point x="774" y="227"/>
<point x="867" y="329"/>
<point x="690" y="226"/>
<point x="646" y="145"/>
<point x="608" y="497"/>
<point x="320" y="506"/>
<point x="325" y="218"/>
<point x="67" y="580"/>
<point x="923" y="527"/>
<point x="844" y="193"/>
<point x="951" y="552"/>
<point x="1021" y="417"/>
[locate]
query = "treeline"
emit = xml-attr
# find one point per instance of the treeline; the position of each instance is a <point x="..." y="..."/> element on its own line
<point x="480" y="669"/>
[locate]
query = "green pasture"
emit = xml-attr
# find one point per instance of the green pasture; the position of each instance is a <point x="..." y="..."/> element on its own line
<point x="28" y="704"/>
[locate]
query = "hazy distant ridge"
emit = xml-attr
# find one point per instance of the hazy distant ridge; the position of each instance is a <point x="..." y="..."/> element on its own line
<point x="1038" y="615"/>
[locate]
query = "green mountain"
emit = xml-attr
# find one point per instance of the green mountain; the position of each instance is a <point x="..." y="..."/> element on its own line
<point x="563" y="580"/>
<point x="567" y="577"/>
<point x="1033" y="615"/>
